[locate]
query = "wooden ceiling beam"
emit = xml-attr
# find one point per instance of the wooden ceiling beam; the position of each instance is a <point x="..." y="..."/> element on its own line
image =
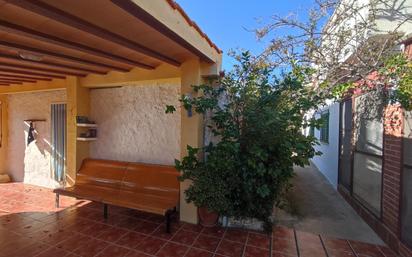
<point x="16" y="79"/>
<point x="8" y="27"/>
<point x="44" y="78"/>
<point x="31" y="73"/>
<point x="70" y="20"/>
<point x="49" y="64"/>
<point x="4" y="84"/>
<point x="63" y="57"/>
<point x="29" y="68"/>
<point x="11" y="82"/>
<point x="145" y="17"/>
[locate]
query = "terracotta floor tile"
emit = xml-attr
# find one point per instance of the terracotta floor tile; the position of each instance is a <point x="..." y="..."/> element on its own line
<point x="283" y="232"/>
<point x="73" y="242"/>
<point x="251" y="251"/>
<point x="312" y="252"/>
<point x="206" y="243"/>
<point x="277" y="254"/>
<point x="361" y="248"/>
<point x="146" y="227"/>
<point x="185" y="237"/>
<point x="156" y="218"/>
<point x="53" y="252"/>
<point x="30" y="250"/>
<point x="284" y="246"/>
<point x="151" y="245"/>
<point x="216" y="231"/>
<point x="258" y="240"/>
<point x="161" y="232"/>
<point x="114" y="251"/>
<point x="307" y="238"/>
<point x="127" y="222"/>
<point x="94" y="228"/>
<point x="172" y="250"/>
<point x="194" y="252"/>
<point x="112" y="234"/>
<point x="91" y="248"/>
<point x="137" y="254"/>
<point x="131" y="239"/>
<point x="230" y="248"/>
<point x="337" y="244"/>
<point x="236" y="235"/>
<point x="337" y="253"/>
<point x="192" y="227"/>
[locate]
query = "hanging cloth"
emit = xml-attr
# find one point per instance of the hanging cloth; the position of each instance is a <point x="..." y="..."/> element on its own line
<point x="30" y="136"/>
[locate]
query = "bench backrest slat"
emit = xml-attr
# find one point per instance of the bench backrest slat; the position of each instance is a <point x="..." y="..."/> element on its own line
<point x="153" y="179"/>
<point x="101" y="173"/>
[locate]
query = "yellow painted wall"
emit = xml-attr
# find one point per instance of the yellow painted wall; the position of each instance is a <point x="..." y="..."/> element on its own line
<point x="191" y="133"/>
<point x="4" y="133"/>
<point x="56" y="84"/>
<point x="113" y="78"/>
<point x="78" y="104"/>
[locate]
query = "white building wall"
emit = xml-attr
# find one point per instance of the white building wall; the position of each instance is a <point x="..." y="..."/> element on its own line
<point x="327" y="163"/>
<point x="31" y="163"/>
<point x="133" y="125"/>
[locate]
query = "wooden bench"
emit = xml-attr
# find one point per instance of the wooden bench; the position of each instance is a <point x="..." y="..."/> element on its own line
<point x="144" y="187"/>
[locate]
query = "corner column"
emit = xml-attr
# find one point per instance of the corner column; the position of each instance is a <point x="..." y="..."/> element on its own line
<point x="78" y="104"/>
<point x="191" y="133"/>
<point x="3" y="133"/>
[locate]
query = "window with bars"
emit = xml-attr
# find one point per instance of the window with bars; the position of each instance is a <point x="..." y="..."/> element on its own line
<point x="312" y="131"/>
<point x="324" y="130"/>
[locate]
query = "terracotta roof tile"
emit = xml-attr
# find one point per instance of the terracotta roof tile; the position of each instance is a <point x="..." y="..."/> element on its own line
<point x="177" y="7"/>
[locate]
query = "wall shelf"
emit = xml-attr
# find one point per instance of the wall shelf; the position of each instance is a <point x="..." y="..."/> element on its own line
<point x="86" y="139"/>
<point x="87" y="125"/>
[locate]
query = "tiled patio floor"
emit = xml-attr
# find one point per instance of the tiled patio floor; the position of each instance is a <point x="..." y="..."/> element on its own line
<point x="31" y="226"/>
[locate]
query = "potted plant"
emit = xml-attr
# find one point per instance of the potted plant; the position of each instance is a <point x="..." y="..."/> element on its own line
<point x="256" y="120"/>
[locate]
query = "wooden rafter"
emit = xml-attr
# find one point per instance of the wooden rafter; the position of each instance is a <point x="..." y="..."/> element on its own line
<point x="139" y="13"/>
<point x="59" y="56"/>
<point x="68" y="19"/>
<point x="10" y="82"/>
<point x="44" y="78"/>
<point x="6" y="26"/>
<point x="31" y="73"/>
<point x="29" y="68"/>
<point x="16" y="79"/>
<point x="4" y="84"/>
<point x="49" y="64"/>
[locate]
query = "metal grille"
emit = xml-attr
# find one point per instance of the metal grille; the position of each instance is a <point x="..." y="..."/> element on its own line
<point x="58" y="128"/>
<point x="345" y="156"/>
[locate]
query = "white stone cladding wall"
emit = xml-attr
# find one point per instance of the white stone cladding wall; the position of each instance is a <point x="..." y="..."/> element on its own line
<point x="31" y="164"/>
<point x="133" y="125"/>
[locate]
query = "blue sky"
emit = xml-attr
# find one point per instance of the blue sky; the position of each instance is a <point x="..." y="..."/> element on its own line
<point x="227" y="22"/>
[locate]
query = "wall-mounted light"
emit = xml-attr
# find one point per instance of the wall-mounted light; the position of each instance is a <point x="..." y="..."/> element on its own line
<point x="30" y="56"/>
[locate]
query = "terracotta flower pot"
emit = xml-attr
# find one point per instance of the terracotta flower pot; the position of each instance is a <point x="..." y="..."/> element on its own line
<point x="207" y="218"/>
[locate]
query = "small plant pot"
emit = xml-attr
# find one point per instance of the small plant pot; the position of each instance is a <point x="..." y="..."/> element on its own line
<point x="208" y="218"/>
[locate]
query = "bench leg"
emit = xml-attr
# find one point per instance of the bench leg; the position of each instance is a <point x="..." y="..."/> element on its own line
<point x="105" y="211"/>
<point x="168" y="214"/>
<point x="57" y="201"/>
<point x="168" y="219"/>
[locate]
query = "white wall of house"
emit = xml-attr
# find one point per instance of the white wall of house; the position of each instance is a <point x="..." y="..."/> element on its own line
<point x="133" y="125"/>
<point x="327" y="163"/>
<point x="31" y="164"/>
